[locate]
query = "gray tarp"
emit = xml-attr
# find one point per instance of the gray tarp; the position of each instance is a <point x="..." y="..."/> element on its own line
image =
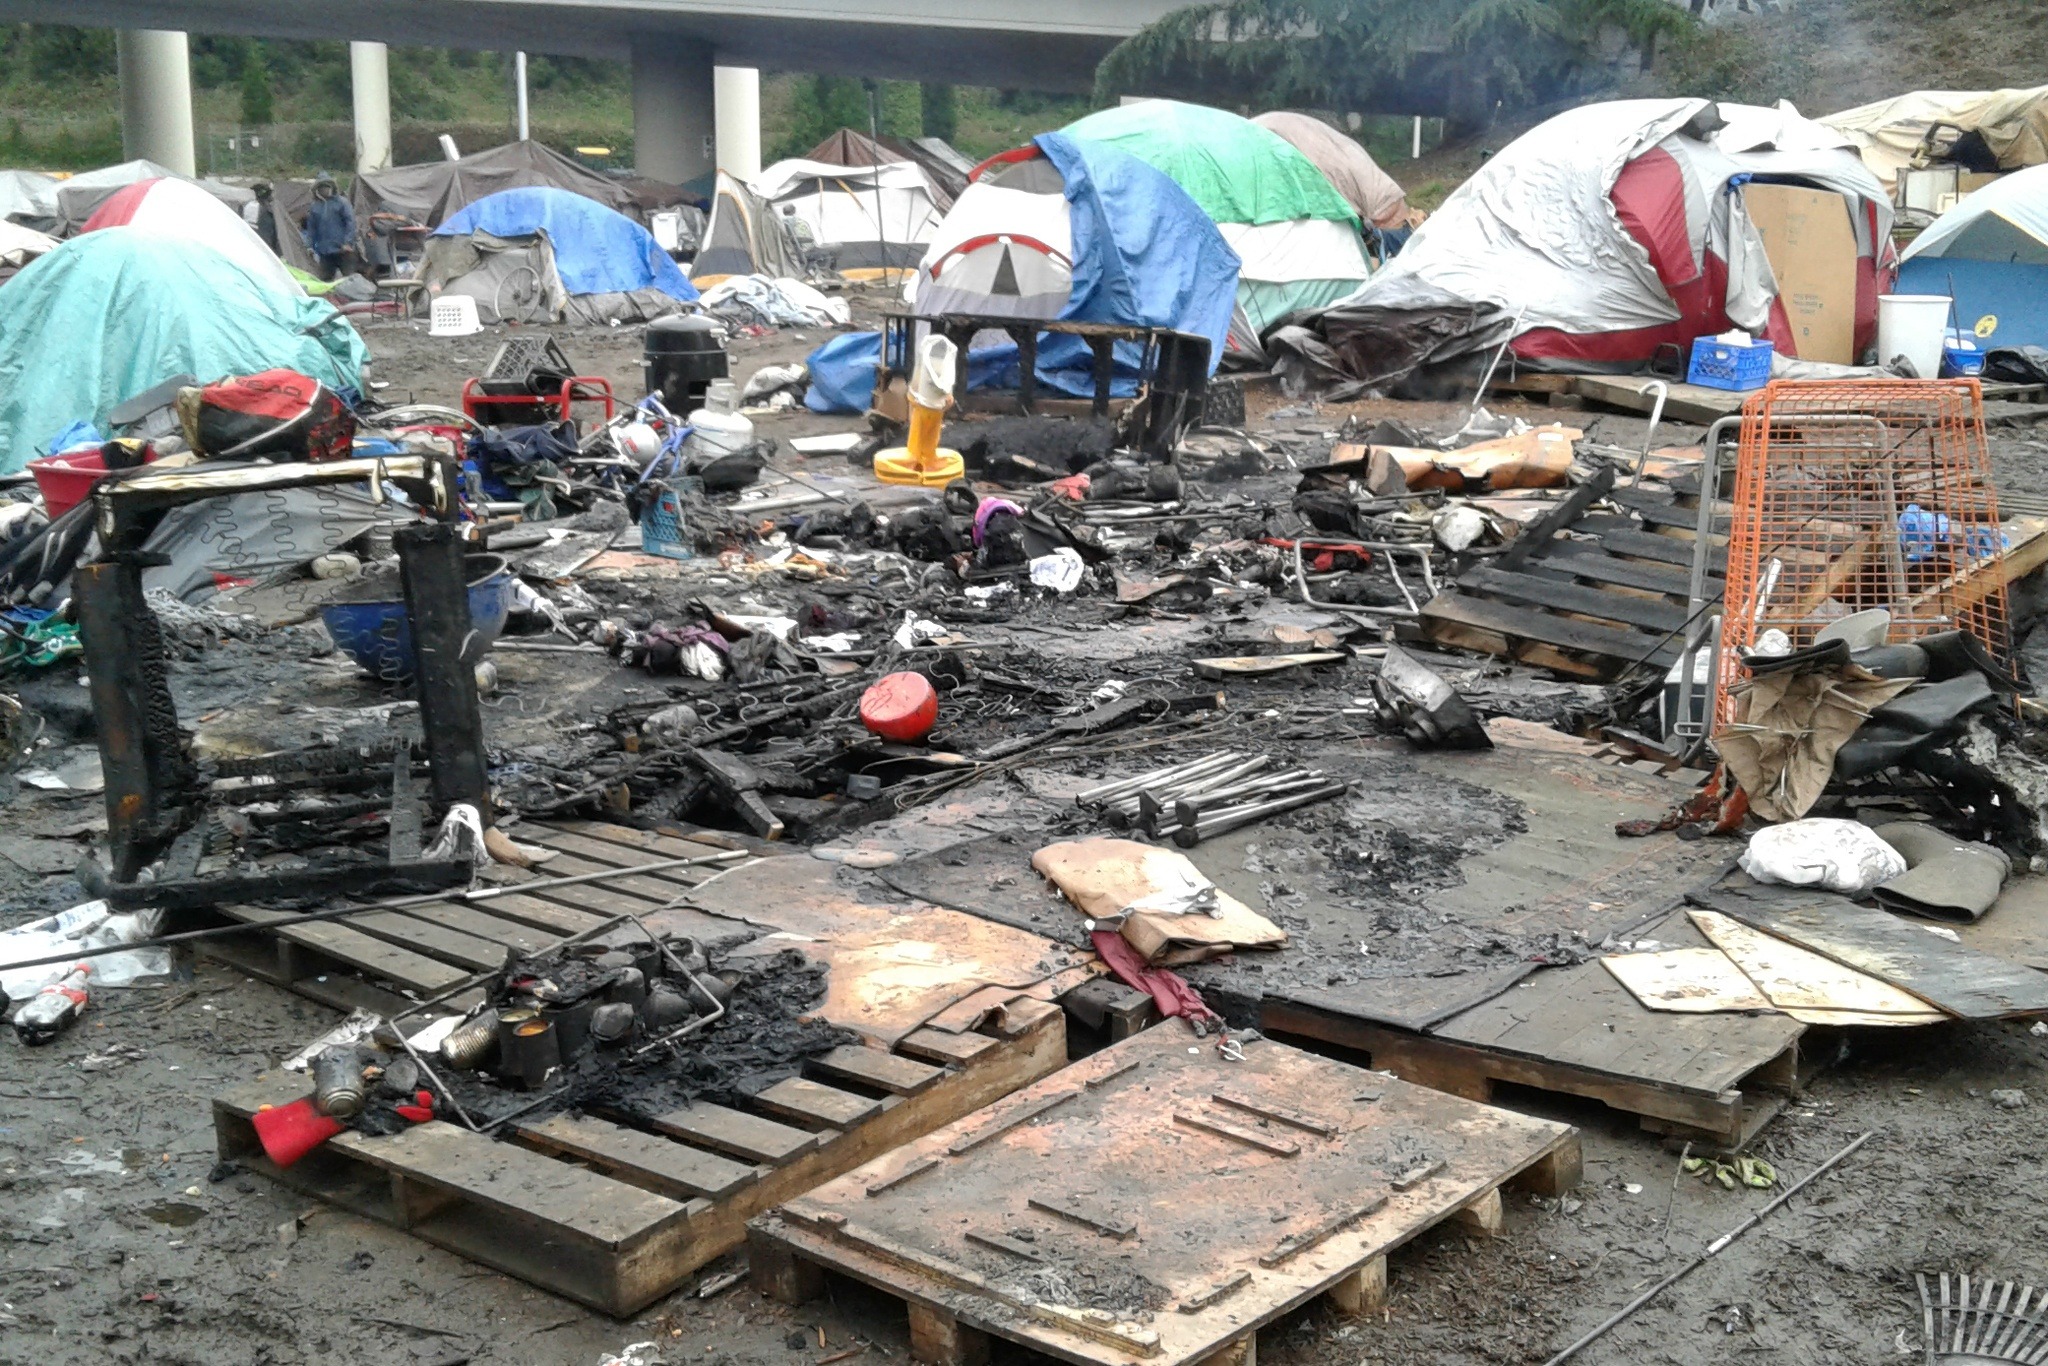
<point x="85" y="192"/>
<point x="29" y="194"/>
<point x="433" y="191"/>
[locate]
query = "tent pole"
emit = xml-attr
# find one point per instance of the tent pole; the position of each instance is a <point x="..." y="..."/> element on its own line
<point x="875" y="136"/>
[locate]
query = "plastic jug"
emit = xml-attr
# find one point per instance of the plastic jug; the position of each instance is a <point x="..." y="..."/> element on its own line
<point x="920" y="461"/>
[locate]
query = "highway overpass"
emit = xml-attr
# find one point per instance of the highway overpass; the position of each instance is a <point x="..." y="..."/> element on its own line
<point x="673" y="46"/>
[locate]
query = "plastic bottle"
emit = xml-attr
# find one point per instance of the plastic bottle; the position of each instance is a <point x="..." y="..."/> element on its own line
<point x="51" y="1011"/>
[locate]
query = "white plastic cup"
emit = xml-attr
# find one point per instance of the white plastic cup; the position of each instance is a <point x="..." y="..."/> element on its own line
<point x="1913" y="326"/>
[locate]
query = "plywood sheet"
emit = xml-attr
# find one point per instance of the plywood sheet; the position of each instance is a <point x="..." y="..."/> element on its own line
<point x="1807" y="986"/>
<point x="1903" y="952"/>
<point x="1691" y="981"/>
<point x="893" y="967"/>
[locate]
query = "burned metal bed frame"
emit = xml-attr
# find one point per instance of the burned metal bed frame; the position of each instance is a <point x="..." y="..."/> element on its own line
<point x="157" y="795"/>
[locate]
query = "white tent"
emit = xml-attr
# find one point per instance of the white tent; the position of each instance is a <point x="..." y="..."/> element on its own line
<point x="183" y="210"/>
<point x="1006" y="250"/>
<point x="2012" y="123"/>
<point x="78" y="198"/>
<point x="864" y="217"/>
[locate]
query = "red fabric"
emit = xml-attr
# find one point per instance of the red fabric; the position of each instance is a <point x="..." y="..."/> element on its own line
<point x="1649" y="195"/>
<point x="1009" y="158"/>
<point x="278" y="394"/>
<point x="1168" y="990"/>
<point x="120" y="206"/>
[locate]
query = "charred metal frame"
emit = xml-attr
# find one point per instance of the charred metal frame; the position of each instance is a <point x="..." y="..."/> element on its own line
<point x="1174" y="365"/>
<point x="154" y="792"/>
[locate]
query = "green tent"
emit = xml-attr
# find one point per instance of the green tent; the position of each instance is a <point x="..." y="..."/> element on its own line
<point x="1298" y="238"/>
<point x="111" y="313"/>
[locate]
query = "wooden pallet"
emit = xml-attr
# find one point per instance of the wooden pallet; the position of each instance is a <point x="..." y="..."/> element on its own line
<point x="1718" y="1078"/>
<point x="385" y="960"/>
<point x="1189" y="1200"/>
<point x="615" y="1217"/>
<point x="1594" y="607"/>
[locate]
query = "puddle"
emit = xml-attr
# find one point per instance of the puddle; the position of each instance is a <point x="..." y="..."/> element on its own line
<point x="176" y="1213"/>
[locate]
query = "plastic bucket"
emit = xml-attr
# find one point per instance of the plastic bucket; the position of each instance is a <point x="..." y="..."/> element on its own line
<point x="1913" y="326"/>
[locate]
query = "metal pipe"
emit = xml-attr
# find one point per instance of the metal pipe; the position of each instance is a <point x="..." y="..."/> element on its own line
<point x="1712" y="1248"/>
<point x="1232" y="818"/>
<point x="1110" y="791"/>
<point x="1301" y="584"/>
<point x="1650" y="434"/>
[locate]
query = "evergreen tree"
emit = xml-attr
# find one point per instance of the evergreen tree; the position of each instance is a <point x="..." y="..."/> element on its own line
<point x="258" y="108"/>
<point x="938" y="112"/>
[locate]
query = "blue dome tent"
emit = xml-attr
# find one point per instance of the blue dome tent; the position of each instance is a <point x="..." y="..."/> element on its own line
<point x="541" y="254"/>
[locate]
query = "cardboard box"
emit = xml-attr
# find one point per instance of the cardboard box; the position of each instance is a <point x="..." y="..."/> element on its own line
<point x="1811" y="245"/>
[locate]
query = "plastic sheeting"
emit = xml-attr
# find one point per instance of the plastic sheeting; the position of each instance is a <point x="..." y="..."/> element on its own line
<point x="80" y="197"/>
<point x="28" y="194"/>
<point x="597" y="250"/>
<point x="1349" y="168"/>
<point x="842" y="371"/>
<point x="434" y="191"/>
<point x="944" y="168"/>
<point x="110" y="314"/>
<point x="2013" y="124"/>
<point x="2006" y="220"/>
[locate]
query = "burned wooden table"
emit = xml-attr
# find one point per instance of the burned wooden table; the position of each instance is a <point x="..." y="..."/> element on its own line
<point x="1158" y="1202"/>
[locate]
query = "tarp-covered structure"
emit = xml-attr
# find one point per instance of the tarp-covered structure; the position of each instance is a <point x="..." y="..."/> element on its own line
<point x="1071" y="229"/>
<point x="861" y="218"/>
<point x="27" y="195"/>
<point x="589" y="263"/>
<point x="1990" y="254"/>
<point x="81" y="196"/>
<point x="19" y="246"/>
<point x="1296" y="236"/>
<point x="943" y="166"/>
<point x="1373" y="194"/>
<point x="432" y="192"/>
<point x="744" y="235"/>
<point x="1599" y="237"/>
<point x="179" y="210"/>
<point x="112" y="313"/>
<point x="2004" y="130"/>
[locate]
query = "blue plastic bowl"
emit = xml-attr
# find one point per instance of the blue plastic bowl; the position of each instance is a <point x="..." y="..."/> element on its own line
<point x="377" y="636"/>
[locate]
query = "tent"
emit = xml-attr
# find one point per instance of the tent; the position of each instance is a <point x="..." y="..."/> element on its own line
<point x="1990" y="254"/>
<point x="744" y="236"/>
<point x="863" y="218"/>
<point x="1372" y="194"/>
<point x="431" y="192"/>
<point x="1298" y="239"/>
<point x="180" y="210"/>
<point x="589" y="263"/>
<point x="1071" y="229"/>
<point x="1601" y="236"/>
<point x="944" y="168"/>
<point x="112" y="313"/>
<point x="2009" y="128"/>
<point x="27" y="194"/>
<point x="81" y="196"/>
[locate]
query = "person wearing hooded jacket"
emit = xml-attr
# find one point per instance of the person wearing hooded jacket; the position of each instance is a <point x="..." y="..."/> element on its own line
<point x="329" y="228"/>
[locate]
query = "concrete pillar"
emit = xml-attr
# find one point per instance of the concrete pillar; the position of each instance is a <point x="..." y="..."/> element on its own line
<point x="156" y="97"/>
<point x="739" y="120"/>
<point x="674" y="123"/>
<point x="369" y="79"/>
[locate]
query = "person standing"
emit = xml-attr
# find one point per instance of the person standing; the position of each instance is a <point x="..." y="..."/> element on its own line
<point x="329" y="228"/>
<point x="260" y="213"/>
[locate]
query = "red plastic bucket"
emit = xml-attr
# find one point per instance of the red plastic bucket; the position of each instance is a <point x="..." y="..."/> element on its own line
<point x="66" y="480"/>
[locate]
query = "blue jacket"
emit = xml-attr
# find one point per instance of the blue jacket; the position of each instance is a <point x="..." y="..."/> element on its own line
<point x="330" y="226"/>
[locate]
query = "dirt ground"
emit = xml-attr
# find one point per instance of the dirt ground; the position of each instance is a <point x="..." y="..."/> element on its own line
<point x="126" y="1244"/>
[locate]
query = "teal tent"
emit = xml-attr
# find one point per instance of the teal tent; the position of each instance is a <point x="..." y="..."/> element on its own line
<point x="112" y="313"/>
<point x="1297" y="237"/>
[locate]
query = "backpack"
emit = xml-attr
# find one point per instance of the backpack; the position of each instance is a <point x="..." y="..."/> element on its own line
<point x="280" y="414"/>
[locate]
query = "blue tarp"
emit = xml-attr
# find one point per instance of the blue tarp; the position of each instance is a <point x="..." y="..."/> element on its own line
<point x="597" y="249"/>
<point x="1144" y="255"/>
<point x="843" y="371"/>
<point x="114" y="312"/>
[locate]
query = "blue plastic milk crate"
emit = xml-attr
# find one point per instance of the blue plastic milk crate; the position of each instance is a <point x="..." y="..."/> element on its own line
<point x="1724" y="365"/>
